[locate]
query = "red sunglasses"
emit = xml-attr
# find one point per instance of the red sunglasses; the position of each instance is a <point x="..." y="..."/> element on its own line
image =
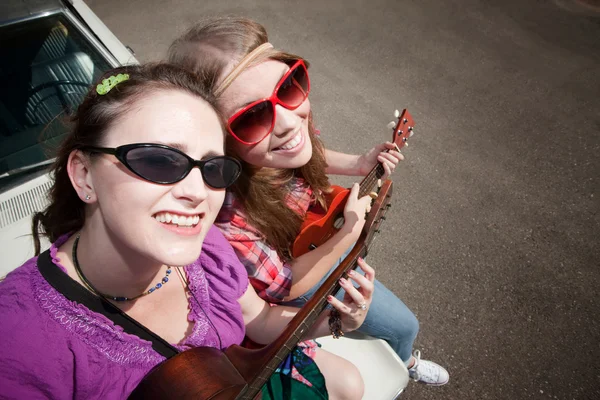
<point x="256" y="121"/>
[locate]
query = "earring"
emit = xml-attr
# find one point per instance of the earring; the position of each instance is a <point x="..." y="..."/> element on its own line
<point x="87" y="197"/>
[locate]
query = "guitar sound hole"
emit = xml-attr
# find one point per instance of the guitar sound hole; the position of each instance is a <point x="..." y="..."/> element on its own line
<point x="339" y="222"/>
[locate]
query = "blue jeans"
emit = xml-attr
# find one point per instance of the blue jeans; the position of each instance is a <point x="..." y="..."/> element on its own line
<point x="388" y="317"/>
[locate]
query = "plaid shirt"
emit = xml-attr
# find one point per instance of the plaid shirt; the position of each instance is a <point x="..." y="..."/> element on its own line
<point x="269" y="274"/>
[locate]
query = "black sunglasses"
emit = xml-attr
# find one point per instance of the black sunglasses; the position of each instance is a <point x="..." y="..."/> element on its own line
<point x="165" y="165"/>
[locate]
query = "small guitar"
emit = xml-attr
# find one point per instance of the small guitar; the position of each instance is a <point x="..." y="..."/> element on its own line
<point x="238" y="373"/>
<point x="320" y="224"/>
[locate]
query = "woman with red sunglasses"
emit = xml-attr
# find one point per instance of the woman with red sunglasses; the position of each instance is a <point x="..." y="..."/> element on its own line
<point x="263" y="95"/>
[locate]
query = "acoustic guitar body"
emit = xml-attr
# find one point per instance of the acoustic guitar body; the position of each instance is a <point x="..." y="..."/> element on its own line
<point x="319" y="225"/>
<point x="201" y="373"/>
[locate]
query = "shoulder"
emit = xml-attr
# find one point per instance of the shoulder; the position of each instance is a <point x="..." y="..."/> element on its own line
<point x="221" y="264"/>
<point x="217" y="247"/>
<point x="16" y="292"/>
<point x="33" y="346"/>
<point x="298" y="186"/>
<point x="22" y="301"/>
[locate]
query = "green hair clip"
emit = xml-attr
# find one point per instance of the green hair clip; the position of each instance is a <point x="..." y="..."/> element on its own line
<point x="110" y="82"/>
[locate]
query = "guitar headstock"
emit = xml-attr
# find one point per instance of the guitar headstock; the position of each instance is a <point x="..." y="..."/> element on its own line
<point x="379" y="208"/>
<point x="403" y="128"/>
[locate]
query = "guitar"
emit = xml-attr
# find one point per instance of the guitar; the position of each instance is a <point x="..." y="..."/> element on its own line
<point x="320" y="224"/>
<point x="239" y="373"/>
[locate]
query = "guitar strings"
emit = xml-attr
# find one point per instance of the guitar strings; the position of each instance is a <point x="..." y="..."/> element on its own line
<point x="369" y="180"/>
<point x="185" y="281"/>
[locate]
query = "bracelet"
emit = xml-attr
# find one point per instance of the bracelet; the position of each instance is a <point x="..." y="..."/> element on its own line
<point x="335" y="324"/>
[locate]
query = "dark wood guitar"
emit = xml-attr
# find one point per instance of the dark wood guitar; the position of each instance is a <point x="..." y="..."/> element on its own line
<point x="321" y="224"/>
<point x="239" y="373"/>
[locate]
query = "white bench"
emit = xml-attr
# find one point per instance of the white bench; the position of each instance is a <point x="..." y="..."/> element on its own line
<point x="383" y="372"/>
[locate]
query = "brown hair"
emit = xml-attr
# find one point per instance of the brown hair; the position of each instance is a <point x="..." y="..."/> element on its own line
<point x="95" y="115"/>
<point x="207" y="49"/>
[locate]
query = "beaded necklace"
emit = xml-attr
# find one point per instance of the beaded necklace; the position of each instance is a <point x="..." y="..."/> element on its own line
<point x="92" y="289"/>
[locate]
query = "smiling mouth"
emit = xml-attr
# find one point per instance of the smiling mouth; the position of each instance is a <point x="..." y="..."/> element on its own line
<point x="292" y="143"/>
<point x="178" y="219"/>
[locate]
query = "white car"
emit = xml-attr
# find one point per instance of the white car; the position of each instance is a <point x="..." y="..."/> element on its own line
<point x="52" y="51"/>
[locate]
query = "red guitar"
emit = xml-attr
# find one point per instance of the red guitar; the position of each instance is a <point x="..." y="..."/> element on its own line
<point x="320" y="224"/>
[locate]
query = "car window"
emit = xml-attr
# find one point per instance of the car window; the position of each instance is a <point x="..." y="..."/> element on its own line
<point x="46" y="67"/>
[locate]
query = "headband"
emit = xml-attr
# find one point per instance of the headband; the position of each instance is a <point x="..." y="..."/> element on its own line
<point x="241" y="66"/>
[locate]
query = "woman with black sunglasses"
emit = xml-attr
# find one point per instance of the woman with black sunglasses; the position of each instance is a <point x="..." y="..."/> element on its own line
<point x="263" y="95"/>
<point x="138" y="183"/>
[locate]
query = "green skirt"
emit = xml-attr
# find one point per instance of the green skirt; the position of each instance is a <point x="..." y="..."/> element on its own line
<point x="283" y="386"/>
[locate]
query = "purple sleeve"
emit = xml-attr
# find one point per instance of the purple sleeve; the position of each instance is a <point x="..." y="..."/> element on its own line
<point x="220" y="261"/>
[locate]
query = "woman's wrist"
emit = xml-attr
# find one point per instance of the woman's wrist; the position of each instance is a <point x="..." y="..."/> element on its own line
<point x="351" y="231"/>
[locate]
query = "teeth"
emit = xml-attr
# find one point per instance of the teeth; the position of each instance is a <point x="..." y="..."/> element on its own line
<point x="180" y="220"/>
<point x="295" y="141"/>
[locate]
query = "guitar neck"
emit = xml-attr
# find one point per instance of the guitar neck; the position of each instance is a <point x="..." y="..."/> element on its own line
<point x="308" y="314"/>
<point x="301" y="323"/>
<point x="368" y="183"/>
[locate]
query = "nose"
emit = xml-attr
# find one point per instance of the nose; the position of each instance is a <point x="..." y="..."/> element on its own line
<point x="192" y="188"/>
<point x="285" y="120"/>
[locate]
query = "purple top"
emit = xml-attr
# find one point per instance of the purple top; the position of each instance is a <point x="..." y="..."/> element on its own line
<point x="59" y="349"/>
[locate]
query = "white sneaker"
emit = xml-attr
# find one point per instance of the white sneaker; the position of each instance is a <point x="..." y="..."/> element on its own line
<point x="428" y="372"/>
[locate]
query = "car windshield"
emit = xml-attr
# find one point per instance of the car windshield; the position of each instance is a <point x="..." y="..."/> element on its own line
<point x="46" y="67"/>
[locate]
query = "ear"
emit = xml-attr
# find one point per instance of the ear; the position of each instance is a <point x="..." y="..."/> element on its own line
<point x="80" y="176"/>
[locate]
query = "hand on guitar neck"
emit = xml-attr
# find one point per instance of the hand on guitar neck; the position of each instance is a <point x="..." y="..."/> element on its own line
<point x="355" y="210"/>
<point x="387" y="154"/>
<point x="321" y="225"/>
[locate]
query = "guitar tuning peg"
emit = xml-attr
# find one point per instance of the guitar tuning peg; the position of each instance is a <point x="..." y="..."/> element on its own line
<point x="391" y="125"/>
<point x="396" y="114"/>
<point x="411" y="133"/>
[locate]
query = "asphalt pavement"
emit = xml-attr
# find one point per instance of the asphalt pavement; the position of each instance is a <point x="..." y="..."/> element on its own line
<point x="493" y="238"/>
